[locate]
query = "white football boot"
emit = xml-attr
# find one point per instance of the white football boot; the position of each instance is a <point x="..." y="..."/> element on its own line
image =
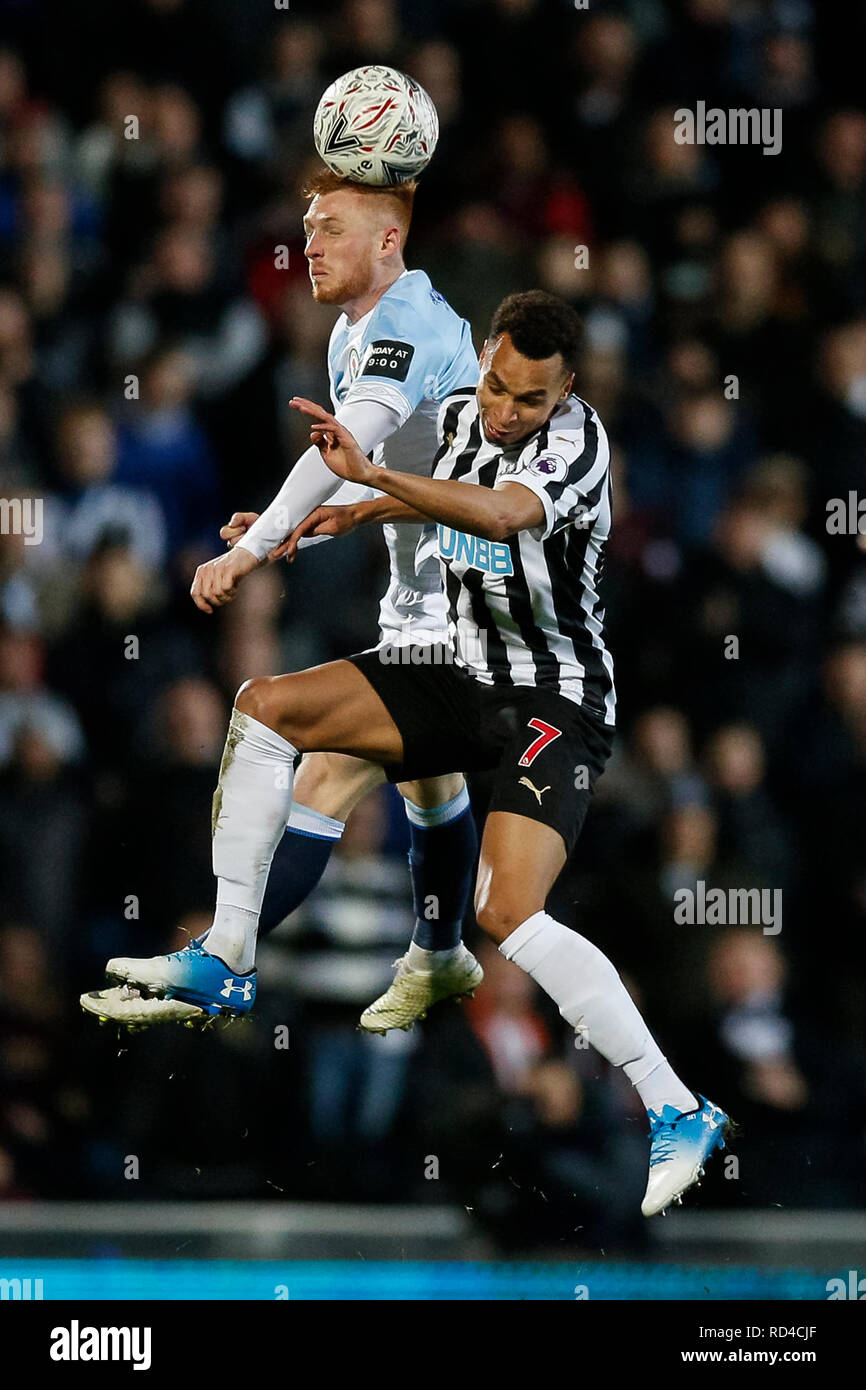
<point x="414" y="991"/>
<point x="125" y="1005"/>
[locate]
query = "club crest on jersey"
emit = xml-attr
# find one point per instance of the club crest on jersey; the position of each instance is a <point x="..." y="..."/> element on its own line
<point x="354" y="362"/>
<point x="550" y="466"/>
<point x="388" y="358"/>
<point x="491" y="556"/>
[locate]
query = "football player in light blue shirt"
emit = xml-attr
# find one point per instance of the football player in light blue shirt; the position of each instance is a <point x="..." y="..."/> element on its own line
<point x="397" y="351"/>
<point x="406" y="355"/>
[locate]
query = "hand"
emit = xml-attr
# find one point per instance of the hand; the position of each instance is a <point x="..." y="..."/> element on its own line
<point x="323" y="521"/>
<point x="238" y="526"/>
<point x="339" y="449"/>
<point x="216" y="583"/>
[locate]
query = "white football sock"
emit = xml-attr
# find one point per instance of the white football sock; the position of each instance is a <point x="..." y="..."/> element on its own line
<point x="592" y="997"/>
<point x="250" y="808"/>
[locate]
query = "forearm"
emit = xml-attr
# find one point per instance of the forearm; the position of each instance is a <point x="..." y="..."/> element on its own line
<point x="347" y="495"/>
<point x="479" y="511"/>
<point x="311" y="482"/>
<point x="382" y="509"/>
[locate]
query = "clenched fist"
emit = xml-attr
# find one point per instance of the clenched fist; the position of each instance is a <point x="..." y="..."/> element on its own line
<point x="216" y="583"/>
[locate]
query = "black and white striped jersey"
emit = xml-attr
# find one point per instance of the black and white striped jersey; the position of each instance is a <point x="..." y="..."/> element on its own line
<point x="526" y="611"/>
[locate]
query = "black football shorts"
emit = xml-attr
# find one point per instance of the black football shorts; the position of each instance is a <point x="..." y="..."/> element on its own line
<point x="547" y="751"/>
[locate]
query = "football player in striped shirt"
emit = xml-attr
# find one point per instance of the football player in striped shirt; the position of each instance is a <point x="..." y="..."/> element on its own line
<point x="520" y="498"/>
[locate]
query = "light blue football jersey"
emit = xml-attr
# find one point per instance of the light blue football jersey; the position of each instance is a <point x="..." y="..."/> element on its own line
<point x="409" y="352"/>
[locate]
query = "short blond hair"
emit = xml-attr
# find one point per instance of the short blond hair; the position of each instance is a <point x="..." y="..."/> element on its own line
<point x="400" y="196"/>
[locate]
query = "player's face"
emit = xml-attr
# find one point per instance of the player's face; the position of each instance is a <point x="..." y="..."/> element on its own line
<point x="517" y="395"/>
<point x="342" y="242"/>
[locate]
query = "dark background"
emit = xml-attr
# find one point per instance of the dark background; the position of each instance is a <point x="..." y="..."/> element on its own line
<point x="155" y="257"/>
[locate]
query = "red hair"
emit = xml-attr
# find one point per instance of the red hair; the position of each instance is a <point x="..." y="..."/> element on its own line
<point x="399" y="196"/>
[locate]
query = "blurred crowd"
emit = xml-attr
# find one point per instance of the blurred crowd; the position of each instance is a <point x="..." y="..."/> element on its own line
<point x="151" y="158"/>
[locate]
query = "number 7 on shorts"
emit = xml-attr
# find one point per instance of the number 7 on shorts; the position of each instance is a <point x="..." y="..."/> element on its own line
<point x="546" y="734"/>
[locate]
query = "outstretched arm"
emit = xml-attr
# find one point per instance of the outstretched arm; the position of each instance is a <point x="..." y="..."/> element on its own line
<point x="338" y="521"/>
<point x="309" y="484"/>
<point x="491" y="513"/>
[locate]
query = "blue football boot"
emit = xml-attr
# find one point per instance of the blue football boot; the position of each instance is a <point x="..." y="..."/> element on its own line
<point x="192" y="977"/>
<point x="681" y="1145"/>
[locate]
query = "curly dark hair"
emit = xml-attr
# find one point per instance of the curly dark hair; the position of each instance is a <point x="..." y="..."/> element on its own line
<point x="540" y="325"/>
